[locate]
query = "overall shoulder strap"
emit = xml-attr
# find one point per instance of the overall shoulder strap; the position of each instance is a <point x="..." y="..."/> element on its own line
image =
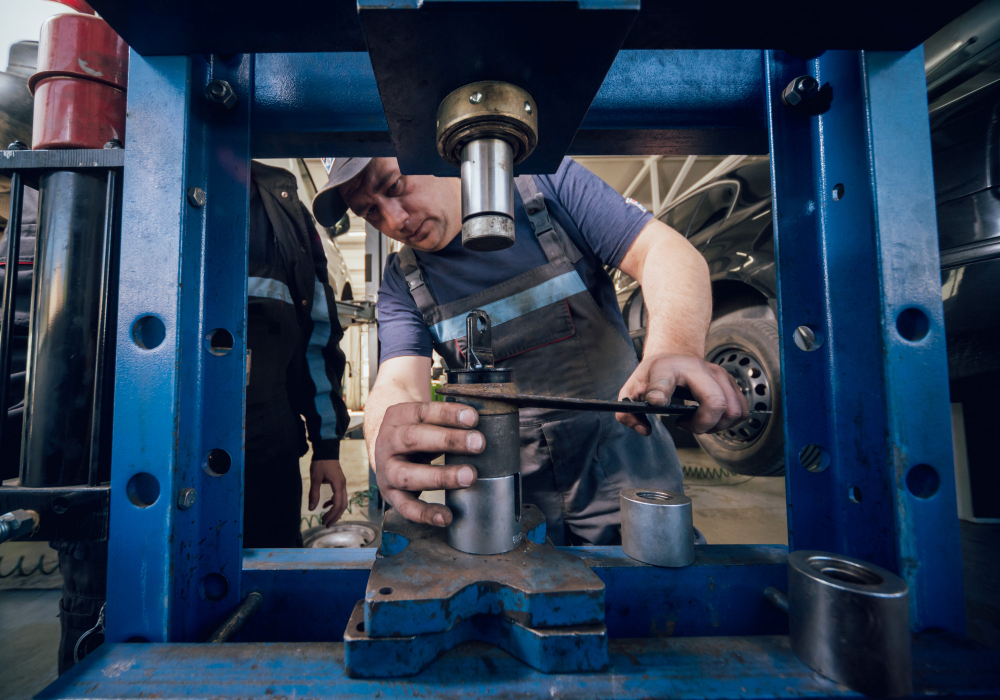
<point x="554" y="241"/>
<point x="419" y="290"/>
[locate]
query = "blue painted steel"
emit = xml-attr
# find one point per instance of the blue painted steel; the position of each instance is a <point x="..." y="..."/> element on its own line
<point x="552" y="650"/>
<point x="309" y="593"/>
<point x="856" y="244"/>
<point x="677" y="103"/>
<point x="535" y="584"/>
<point x="682" y="667"/>
<point x="317" y="105"/>
<point x="667" y="102"/>
<point x="175" y="575"/>
<point x="723" y="591"/>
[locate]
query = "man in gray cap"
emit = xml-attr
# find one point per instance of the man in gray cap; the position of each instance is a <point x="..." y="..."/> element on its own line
<point x="556" y="323"/>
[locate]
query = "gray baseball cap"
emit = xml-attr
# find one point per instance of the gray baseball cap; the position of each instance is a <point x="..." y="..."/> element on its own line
<point x="328" y="206"/>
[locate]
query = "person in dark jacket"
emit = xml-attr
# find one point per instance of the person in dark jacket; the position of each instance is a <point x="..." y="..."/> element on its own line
<point x="294" y="390"/>
<point x="295" y="366"/>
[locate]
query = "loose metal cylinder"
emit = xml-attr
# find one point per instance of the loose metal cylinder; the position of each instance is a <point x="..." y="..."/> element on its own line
<point x="657" y="527"/>
<point x="486" y="517"/>
<point x="487" y="195"/>
<point x="850" y="621"/>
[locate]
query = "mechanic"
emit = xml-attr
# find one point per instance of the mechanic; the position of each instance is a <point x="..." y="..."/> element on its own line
<point x="295" y="370"/>
<point x="568" y="339"/>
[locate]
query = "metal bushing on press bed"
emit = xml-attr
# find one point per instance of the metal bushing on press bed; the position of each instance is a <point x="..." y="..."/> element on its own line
<point x="657" y="527"/>
<point x="850" y="621"/>
<point x="487" y="128"/>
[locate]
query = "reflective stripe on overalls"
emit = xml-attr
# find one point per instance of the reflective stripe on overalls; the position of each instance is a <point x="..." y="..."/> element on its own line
<point x="550" y="331"/>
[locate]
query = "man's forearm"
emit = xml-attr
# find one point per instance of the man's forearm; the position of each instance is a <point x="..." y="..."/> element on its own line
<point x="678" y="303"/>
<point x="400" y="380"/>
<point x="676" y="289"/>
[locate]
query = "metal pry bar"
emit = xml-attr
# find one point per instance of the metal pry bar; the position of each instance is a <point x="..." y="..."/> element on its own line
<point x="484" y="391"/>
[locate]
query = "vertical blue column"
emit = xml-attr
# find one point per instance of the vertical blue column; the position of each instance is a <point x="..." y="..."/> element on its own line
<point x="856" y="244"/>
<point x="177" y="459"/>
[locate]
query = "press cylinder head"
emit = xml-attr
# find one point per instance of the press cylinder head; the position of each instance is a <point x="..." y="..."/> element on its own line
<point x="485" y="129"/>
<point x="850" y="621"/>
<point x="657" y="527"/>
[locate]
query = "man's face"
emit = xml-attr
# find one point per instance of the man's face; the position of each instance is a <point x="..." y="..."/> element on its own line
<point x="422" y="211"/>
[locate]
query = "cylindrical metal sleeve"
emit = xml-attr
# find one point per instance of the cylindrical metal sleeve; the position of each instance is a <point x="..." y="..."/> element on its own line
<point x="83" y="45"/>
<point x="486" y="517"/>
<point x="74" y="113"/>
<point x="850" y="621"/>
<point x="64" y="325"/>
<point x="657" y="527"/>
<point x="502" y="454"/>
<point x="487" y="178"/>
<point x="488" y="233"/>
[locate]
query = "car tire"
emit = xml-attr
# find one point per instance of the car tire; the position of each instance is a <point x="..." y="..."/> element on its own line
<point x="748" y="349"/>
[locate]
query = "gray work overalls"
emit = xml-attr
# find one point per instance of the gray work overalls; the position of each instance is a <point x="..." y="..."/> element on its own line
<point x="550" y="331"/>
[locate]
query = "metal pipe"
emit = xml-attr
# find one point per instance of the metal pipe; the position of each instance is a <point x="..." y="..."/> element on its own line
<point x="487" y="194"/>
<point x="776" y="598"/>
<point x="10" y="295"/>
<point x="98" y="403"/>
<point x="234" y="623"/>
<point x="63" y="338"/>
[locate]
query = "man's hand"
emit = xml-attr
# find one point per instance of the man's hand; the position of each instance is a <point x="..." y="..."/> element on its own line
<point x="410" y="436"/>
<point x="721" y="403"/>
<point x="328" y="471"/>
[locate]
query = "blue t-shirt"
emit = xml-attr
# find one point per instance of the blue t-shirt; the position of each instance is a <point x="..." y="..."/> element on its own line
<point x="601" y="223"/>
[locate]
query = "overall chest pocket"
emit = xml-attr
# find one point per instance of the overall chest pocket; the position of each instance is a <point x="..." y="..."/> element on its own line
<point x="535" y="329"/>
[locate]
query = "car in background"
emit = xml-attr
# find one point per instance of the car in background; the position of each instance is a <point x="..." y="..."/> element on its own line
<point x="729" y="221"/>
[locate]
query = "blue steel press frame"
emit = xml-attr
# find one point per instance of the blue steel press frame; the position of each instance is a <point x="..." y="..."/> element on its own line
<point x="861" y="271"/>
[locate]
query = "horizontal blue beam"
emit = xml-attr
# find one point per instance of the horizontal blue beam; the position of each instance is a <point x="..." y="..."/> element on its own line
<point x="309" y="593"/>
<point x="662" y="102"/>
<point x="699" y="667"/>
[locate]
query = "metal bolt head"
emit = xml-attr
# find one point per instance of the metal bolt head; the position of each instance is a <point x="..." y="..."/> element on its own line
<point x="527" y="107"/>
<point x="800" y="90"/>
<point x="186" y="498"/>
<point x="221" y="92"/>
<point x="196" y="197"/>
<point x="17" y="146"/>
<point x="476" y="97"/>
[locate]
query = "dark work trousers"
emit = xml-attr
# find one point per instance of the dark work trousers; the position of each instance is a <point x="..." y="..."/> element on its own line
<point x="84" y="568"/>
<point x="272" y="486"/>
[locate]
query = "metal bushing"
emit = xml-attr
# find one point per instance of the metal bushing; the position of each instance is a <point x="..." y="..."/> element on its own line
<point x="486" y="517"/>
<point x="850" y="621"/>
<point x="483" y="110"/>
<point x="657" y="527"/>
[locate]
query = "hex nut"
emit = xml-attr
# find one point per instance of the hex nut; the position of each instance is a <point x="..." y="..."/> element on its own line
<point x="196" y="197"/>
<point x="221" y="92"/>
<point x="186" y="498"/>
<point x="800" y="91"/>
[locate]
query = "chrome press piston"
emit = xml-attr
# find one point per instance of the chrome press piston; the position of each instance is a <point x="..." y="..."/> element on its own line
<point x="850" y="621"/>
<point x="487" y="128"/>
